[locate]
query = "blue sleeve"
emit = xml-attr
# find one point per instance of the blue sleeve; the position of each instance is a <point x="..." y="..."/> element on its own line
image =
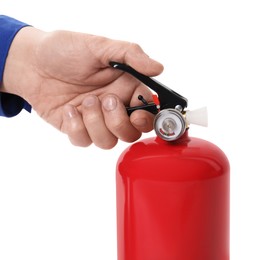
<point x="10" y="105"/>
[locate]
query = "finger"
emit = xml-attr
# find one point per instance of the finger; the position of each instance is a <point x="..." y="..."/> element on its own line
<point x="73" y="126"/>
<point x="117" y="119"/>
<point x="126" y="52"/>
<point x="142" y="120"/>
<point x="95" y="125"/>
<point x="139" y="60"/>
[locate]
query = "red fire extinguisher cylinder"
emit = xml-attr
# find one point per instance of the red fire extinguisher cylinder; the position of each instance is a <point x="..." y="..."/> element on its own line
<point x="173" y="201"/>
<point x="172" y="190"/>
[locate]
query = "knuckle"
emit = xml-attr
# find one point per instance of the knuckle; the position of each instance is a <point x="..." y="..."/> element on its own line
<point x="135" y="47"/>
<point x="108" y="144"/>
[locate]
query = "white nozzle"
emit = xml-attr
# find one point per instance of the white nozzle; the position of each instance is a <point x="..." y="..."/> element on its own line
<point x="197" y="117"/>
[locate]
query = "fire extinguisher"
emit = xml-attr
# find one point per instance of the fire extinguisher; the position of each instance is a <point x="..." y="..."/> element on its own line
<point x="172" y="189"/>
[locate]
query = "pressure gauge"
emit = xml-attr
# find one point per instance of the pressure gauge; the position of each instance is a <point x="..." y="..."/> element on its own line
<point x="169" y="124"/>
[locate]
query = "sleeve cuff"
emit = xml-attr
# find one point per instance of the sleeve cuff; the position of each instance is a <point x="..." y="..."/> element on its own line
<point x="10" y="105"/>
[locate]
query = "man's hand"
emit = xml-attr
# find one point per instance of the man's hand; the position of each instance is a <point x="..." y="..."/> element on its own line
<point x="67" y="79"/>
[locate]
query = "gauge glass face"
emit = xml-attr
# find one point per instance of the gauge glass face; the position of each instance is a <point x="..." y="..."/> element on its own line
<point x="169" y="124"/>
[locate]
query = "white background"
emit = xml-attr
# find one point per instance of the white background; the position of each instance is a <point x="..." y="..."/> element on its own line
<point x="58" y="201"/>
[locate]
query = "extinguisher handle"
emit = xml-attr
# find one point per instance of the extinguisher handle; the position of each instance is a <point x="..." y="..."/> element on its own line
<point x="167" y="97"/>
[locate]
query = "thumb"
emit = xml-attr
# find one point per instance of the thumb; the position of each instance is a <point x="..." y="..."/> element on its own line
<point x="140" y="61"/>
<point x="144" y="64"/>
<point x="133" y="55"/>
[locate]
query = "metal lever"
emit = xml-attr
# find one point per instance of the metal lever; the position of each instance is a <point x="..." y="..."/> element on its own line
<point x="167" y="97"/>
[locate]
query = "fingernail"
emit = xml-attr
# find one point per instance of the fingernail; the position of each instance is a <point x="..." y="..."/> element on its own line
<point x="89" y="101"/>
<point x="109" y="103"/>
<point x="70" y="111"/>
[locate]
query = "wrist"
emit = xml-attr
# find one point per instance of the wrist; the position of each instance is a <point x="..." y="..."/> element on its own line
<point x="19" y="72"/>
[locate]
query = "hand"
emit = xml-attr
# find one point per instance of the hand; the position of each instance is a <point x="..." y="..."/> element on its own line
<point x="67" y="79"/>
